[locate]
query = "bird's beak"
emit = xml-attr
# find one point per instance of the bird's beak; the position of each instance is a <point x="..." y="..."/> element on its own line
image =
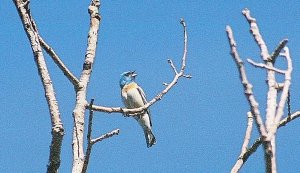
<point x="133" y="74"/>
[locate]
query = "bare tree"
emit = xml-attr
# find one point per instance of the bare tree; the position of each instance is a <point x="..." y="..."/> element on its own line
<point x="277" y="97"/>
<point x="81" y="158"/>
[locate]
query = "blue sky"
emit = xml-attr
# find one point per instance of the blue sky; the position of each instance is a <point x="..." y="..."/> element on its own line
<point x="199" y="124"/>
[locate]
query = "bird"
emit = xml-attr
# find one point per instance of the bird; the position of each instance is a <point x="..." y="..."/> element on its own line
<point x="133" y="96"/>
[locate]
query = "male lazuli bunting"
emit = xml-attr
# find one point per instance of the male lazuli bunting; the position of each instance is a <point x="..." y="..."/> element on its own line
<point x="134" y="97"/>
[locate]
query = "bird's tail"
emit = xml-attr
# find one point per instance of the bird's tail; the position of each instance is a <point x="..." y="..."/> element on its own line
<point x="150" y="138"/>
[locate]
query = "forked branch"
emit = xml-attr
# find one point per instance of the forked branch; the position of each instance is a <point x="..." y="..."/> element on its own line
<point x="90" y="141"/>
<point x="247" y="85"/>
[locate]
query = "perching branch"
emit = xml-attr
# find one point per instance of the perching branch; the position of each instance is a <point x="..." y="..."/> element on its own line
<point x="57" y="126"/>
<point x="136" y="111"/>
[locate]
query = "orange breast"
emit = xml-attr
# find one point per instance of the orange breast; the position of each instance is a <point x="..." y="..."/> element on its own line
<point x="130" y="86"/>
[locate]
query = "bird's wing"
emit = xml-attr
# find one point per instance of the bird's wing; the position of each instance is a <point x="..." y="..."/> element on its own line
<point x="142" y="94"/>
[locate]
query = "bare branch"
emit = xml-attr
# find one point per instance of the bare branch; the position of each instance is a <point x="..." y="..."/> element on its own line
<point x="105" y="136"/>
<point x="80" y="105"/>
<point x="288" y="102"/>
<point x="284" y="94"/>
<point x="136" y="111"/>
<point x="276" y="52"/>
<point x="72" y="78"/>
<point x="90" y="141"/>
<point x="173" y="66"/>
<point x="259" y="140"/>
<point x="255" y="32"/>
<point x="246" y="84"/>
<point x="57" y="126"/>
<point x="269" y="146"/>
<point x="289" y="118"/>
<point x="261" y="65"/>
<point x="89" y="144"/>
<point x="240" y="161"/>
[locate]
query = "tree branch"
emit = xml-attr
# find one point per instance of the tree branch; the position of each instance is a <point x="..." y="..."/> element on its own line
<point x="136" y="111"/>
<point x="240" y="161"/>
<point x="259" y="140"/>
<point x="255" y="32"/>
<point x="72" y="78"/>
<point x="284" y="94"/>
<point x="276" y="52"/>
<point x="269" y="146"/>
<point x="80" y="105"/>
<point x="105" y="136"/>
<point x="246" y="84"/>
<point x="89" y="138"/>
<point x="57" y="126"/>
<point x="90" y="141"/>
<point x="261" y="65"/>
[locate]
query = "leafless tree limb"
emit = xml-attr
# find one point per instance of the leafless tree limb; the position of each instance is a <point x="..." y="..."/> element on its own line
<point x="57" y="126"/>
<point x="105" y="136"/>
<point x="72" y="78"/>
<point x="80" y="105"/>
<point x="240" y="161"/>
<point x="288" y="102"/>
<point x="136" y="111"/>
<point x="278" y="49"/>
<point x="255" y="32"/>
<point x="261" y="65"/>
<point x="89" y="138"/>
<point x="284" y="94"/>
<point x="259" y="141"/>
<point x="270" y="146"/>
<point x="90" y="141"/>
<point x="246" y="84"/>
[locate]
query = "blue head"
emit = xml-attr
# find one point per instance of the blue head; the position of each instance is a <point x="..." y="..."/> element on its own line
<point x="127" y="78"/>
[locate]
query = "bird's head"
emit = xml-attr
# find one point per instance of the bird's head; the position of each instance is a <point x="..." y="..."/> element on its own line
<point x="127" y="78"/>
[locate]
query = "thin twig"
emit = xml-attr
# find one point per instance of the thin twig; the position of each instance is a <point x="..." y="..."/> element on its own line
<point x="136" y="111"/>
<point x="278" y="49"/>
<point x="173" y="66"/>
<point x="261" y="65"/>
<point x="289" y="103"/>
<point x="240" y="161"/>
<point x="72" y="78"/>
<point x="89" y="138"/>
<point x="105" y="136"/>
